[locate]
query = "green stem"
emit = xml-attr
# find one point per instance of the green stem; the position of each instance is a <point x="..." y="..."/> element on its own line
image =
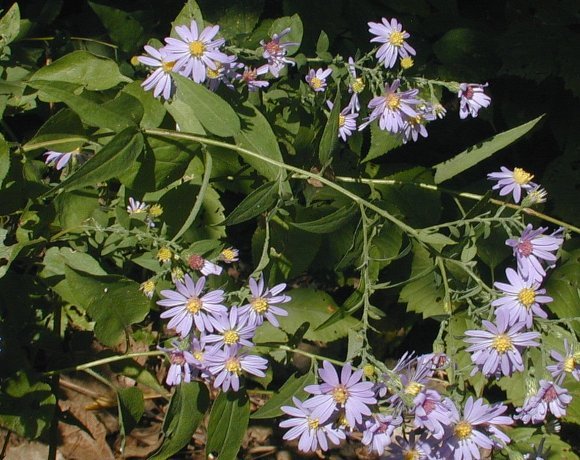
<point x="100" y="362"/>
<point x="298" y="351"/>
<point x="39" y="145"/>
<point x="199" y="199"/>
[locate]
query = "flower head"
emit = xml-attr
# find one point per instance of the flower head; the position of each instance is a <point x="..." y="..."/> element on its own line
<point x="346" y="392"/>
<point x="497" y="350"/>
<point x="61" y="159"/>
<point x="471" y="99"/>
<point x="164" y="255"/>
<point x="549" y="398"/>
<point x="569" y="363"/>
<point x="136" y="207"/>
<point x="413" y="448"/>
<point x="522" y="299"/>
<point x="147" y="288"/>
<point x="232" y="330"/>
<point x="393" y="37"/>
<point x="160" y="80"/>
<point x="250" y="77"/>
<point x="414" y="127"/>
<point x="188" y="307"/>
<point x="196" y="262"/>
<point x="378" y="431"/>
<point x="512" y="182"/>
<point x="274" y="51"/>
<point x="229" y="255"/>
<point x="223" y="73"/>
<point x="179" y="370"/>
<point x="431" y="412"/>
<point x="263" y="303"/>
<point x="355" y="87"/>
<point x="228" y="364"/>
<point x="346" y="121"/>
<point x="316" y="79"/>
<point x="534" y="247"/>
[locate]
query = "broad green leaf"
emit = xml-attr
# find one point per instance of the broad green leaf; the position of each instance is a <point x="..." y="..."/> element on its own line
<point x="422" y="294"/>
<point x="564" y="287"/>
<point x="9" y="25"/>
<point x="381" y="142"/>
<point x="75" y="207"/>
<point x="186" y="409"/>
<point x="153" y="109"/>
<point x="573" y="410"/>
<point x="257" y="202"/>
<point x="131" y="407"/>
<point x="184" y="116"/>
<point x="114" y="302"/>
<point x="235" y="18"/>
<point x="132" y="369"/>
<point x="84" y="69"/>
<point x="111" y="161"/>
<point x="124" y="29"/>
<point x="294" y="36"/>
<point x="329" y="140"/>
<point x="257" y="135"/>
<point x="479" y="152"/>
<point x="189" y="12"/>
<point x="323" y="43"/>
<point x="9" y="253"/>
<point x="294" y="386"/>
<point x="215" y="114"/>
<point x="90" y="111"/>
<point x="492" y="249"/>
<point x="330" y="223"/>
<point x="4" y="159"/>
<point x="523" y="438"/>
<point x="26" y="407"/>
<point x="62" y="132"/>
<point x="228" y="421"/>
<point x="128" y="105"/>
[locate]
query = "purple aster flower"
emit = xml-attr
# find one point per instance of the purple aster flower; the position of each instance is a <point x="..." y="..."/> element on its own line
<point x="223" y="73"/>
<point x="312" y="433"/>
<point x="160" y="79"/>
<point x="413" y="448"/>
<point x="414" y="127"/>
<point x="536" y="195"/>
<point x="392" y="108"/>
<point x="275" y="52"/>
<point x="471" y="99"/>
<point x="187" y="306"/>
<point x="179" y="370"/>
<point x="476" y="429"/>
<point x="263" y="303"/>
<point x="346" y="121"/>
<point x="61" y="159"/>
<point x="347" y="393"/>
<point x="316" y="79"/>
<point x="195" y="52"/>
<point x="136" y="207"/>
<point x="196" y="262"/>
<point x="532" y="248"/>
<point x="550" y="397"/>
<point x="227" y="365"/>
<point x="392" y="35"/>
<point x="250" y="77"/>
<point x="565" y="364"/>
<point x="522" y="299"/>
<point x="231" y="330"/>
<point x="378" y="431"/>
<point x="512" y="182"/>
<point x="431" y="412"/>
<point x="356" y="86"/>
<point x="497" y="351"/>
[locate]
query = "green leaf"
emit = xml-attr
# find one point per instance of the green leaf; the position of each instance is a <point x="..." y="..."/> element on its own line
<point x="257" y="135"/>
<point x="329" y="140"/>
<point x="523" y="438"/>
<point x="186" y="410"/>
<point x="114" y="302"/>
<point x="257" y="202"/>
<point x="564" y="287"/>
<point x="9" y="253"/>
<point x="323" y="43"/>
<point x="132" y="369"/>
<point x="294" y="386"/>
<point x="189" y="12"/>
<point x="63" y="132"/>
<point x="26" y="406"/>
<point x="90" y="111"/>
<point x="4" y="159"/>
<point x="131" y="407"/>
<point x="153" y="109"/>
<point x="228" y="421"/>
<point x="437" y="240"/>
<point x="111" y="161"/>
<point x="473" y="155"/>
<point x="184" y="116"/>
<point x="381" y="142"/>
<point x="10" y="25"/>
<point x="124" y="29"/>
<point x="422" y="293"/>
<point x="330" y="223"/>
<point x="235" y="18"/>
<point x="215" y="114"/>
<point x="82" y="68"/>
<point x="295" y="34"/>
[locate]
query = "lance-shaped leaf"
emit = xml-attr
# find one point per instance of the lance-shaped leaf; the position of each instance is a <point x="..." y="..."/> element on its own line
<point x="254" y="204"/>
<point x="215" y="114"/>
<point x="329" y="223"/>
<point x="131" y="408"/>
<point x="227" y="425"/>
<point x="294" y="386"/>
<point x="473" y="155"/>
<point x="329" y="139"/>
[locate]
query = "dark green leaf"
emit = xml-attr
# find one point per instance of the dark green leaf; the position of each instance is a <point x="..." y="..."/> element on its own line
<point x="330" y="223"/>
<point x="294" y="386"/>
<point x="329" y="139"/>
<point x="4" y="159"/>
<point x="132" y="369"/>
<point x="186" y="410"/>
<point x="9" y="25"/>
<point x="153" y="109"/>
<point x="235" y="18"/>
<point x="124" y="29"/>
<point x="189" y="12"/>
<point x="215" y="114"/>
<point x="257" y="202"/>
<point x="381" y="142"/>
<point x="564" y="287"/>
<point x="74" y="207"/>
<point x="228" y="421"/>
<point x="82" y="68"/>
<point x="131" y="408"/>
<point x="62" y="132"/>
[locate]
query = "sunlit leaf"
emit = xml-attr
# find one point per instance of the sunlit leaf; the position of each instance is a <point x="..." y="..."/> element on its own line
<point x="227" y="424"/>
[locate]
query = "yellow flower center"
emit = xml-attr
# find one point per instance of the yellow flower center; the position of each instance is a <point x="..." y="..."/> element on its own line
<point x="502" y="343"/>
<point x="167" y="66"/>
<point x="198" y="355"/>
<point x="148" y="286"/>
<point x="569" y="363"/>
<point x="412" y="454"/>
<point x="316" y="83"/>
<point x="164" y="255"/>
<point x="522" y="177"/>
<point x="413" y="388"/>
<point x="313" y="423"/>
<point x="368" y="370"/>
<point x="341" y="120"/>
<point x="196" y="48"/>
<point x="358" y="85"/>
<point x="527" y="297"/>
<point x="228" y="254"/>
<point x="397" y="38"/>
<point x="260" y="305"/>
<point x="211" y="73"/>
<point x="340" y="394"/>
<point x="407" y="62"/>
<point x="177" y="274"/>
<point x="393" y="101"/>
<point x="155" y="210"/>
<point x="463" y="430"/>
<point x="231" y="337"/>
<point x="194" y="305"/>
<point x="233" y="366"/>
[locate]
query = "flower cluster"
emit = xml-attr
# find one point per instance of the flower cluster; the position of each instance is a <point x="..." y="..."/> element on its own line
<point x="401" y="399"/>
<point x="136" y="208"/>
<point x="216" y="340"/>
